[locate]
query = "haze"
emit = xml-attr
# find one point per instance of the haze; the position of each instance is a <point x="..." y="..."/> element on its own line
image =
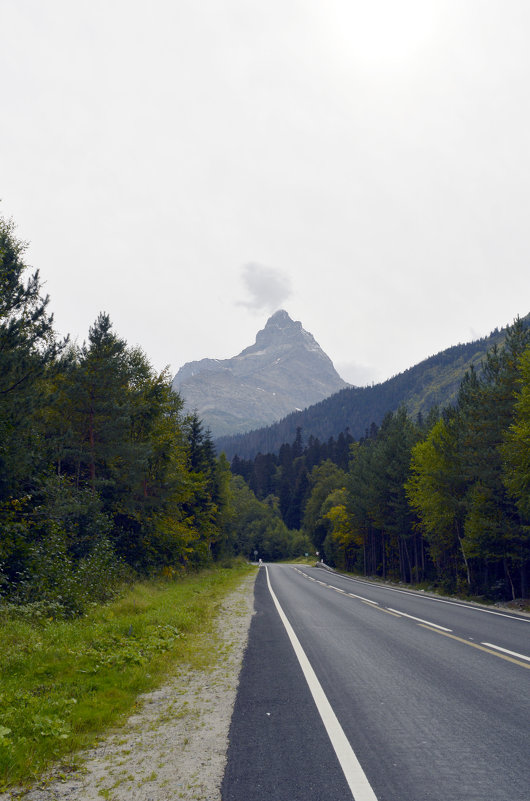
<point x="191" y="167"/>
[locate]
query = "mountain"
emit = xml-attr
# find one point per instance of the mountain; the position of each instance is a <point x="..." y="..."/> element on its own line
<point x="285" y="370"/>
<point x="432" y="382"/>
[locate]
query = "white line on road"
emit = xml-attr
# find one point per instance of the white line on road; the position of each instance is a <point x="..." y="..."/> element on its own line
<point x="417" y="594"/>
<point x="506" y="651"/>
<point x="361" y="598"/>
<point x="419" y="619"/>
<point x="353" y="772"/>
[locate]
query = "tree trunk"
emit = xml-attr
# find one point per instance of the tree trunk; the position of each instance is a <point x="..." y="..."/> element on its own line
<point x="408" y="560"/>
<point x="364" y="553"/>
<point x="92" y="443"/>
<point x="509" y="578"/>
<point x="464" y="556"/>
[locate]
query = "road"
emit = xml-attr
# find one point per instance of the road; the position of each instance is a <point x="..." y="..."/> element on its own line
<point x="427" y="699"/>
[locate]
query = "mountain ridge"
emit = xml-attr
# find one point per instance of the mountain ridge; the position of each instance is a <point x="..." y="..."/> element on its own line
<point x="432" y="382"/>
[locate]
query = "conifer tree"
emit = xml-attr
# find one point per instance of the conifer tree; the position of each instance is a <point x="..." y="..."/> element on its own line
<point x="516" y="470"/>
<point x="492" y="525"/>
<point x="516" y="448"/>
<point x="28" y="348"/>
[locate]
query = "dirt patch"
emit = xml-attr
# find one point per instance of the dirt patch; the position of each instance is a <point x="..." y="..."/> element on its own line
<point x="174" y="745"/>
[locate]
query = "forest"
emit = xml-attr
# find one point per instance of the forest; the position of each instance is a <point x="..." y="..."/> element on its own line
<point x="440" y="500"/>
<point x="103" y="478"/>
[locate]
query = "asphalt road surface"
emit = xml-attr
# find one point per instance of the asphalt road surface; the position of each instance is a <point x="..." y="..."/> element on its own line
<point x="355" y="690"/>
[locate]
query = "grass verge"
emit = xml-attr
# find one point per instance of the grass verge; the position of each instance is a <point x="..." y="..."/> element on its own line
<point x="63" y="683"/>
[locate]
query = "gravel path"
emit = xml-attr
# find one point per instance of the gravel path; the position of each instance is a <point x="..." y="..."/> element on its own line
<point x="174" y="746"/>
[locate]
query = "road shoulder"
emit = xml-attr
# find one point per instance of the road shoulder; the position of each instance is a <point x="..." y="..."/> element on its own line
<point x="279" y="747"/>
<point x="174" y="745"/>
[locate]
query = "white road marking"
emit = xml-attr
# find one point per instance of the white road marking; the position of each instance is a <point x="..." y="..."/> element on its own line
<point x="436" y="600"/>
<point x="479" y="647"/>
<point x="419" y="619"/>
<point x="361" y="598"/>
<point x="506" y="651"/>
<point x="354" y="774"/>
<point x="338" y="589"/>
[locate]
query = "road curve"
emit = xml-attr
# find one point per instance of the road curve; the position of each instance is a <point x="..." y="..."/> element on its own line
<point x="432" y="697"/>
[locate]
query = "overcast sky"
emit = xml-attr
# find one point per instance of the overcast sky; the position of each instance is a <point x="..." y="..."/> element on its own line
<point x="190" y="166"/>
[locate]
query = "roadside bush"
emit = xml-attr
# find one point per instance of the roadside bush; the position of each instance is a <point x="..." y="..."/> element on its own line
<point x="53" y="585"/>
<point x="101" y="574"/>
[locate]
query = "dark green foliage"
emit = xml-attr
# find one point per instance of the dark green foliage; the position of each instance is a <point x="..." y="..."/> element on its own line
<point x="459" y="485"/>
<point x="267" y="473"/>
<point x="100" y="472"/>
<point x="516" y="448"/>
<point x="205" y="510"/>
<point x="114" y="429"/>
<point x="442" y="498"/>
<point x="55" y="585"/>
<point x="259" y="530"/>
<point x="27" y="350"/>
<point x="324" y="479"/>
<point x="382" y="508"/>
<point x="121" y="474"/>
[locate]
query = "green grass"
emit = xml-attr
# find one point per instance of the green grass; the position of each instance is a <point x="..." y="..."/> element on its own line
<point x="63" y="683"/>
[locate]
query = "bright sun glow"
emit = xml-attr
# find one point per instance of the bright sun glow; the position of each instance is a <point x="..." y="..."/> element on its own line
<point x="381" y="34"/>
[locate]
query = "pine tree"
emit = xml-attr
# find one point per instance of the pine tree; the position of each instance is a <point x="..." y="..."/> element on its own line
<point x="101" y="409"/>
<point x="492" y="526"/>
<point x="28" y="349"/>
<point x="516" y="470"/>
<point x="516" y="448"/>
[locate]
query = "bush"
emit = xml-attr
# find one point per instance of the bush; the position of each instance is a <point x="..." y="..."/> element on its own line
<point x="53" y="585"/>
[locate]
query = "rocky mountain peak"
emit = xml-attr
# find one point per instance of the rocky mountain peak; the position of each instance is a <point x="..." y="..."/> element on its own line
<point x="281" y="320"/>
<point x="283" y="371"/>
<point x="279" y="329"/>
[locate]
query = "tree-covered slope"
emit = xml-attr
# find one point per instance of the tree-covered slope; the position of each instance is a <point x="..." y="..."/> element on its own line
<point x="434" y="381"/>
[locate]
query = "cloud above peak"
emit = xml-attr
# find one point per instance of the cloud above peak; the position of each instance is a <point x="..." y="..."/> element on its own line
<point x="267" y="287"/>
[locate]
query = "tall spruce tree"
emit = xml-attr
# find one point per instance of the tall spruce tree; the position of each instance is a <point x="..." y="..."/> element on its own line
<point x="516" y="469"/>
<point x="28" y="348"/>
<point x="492" y="528"/>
